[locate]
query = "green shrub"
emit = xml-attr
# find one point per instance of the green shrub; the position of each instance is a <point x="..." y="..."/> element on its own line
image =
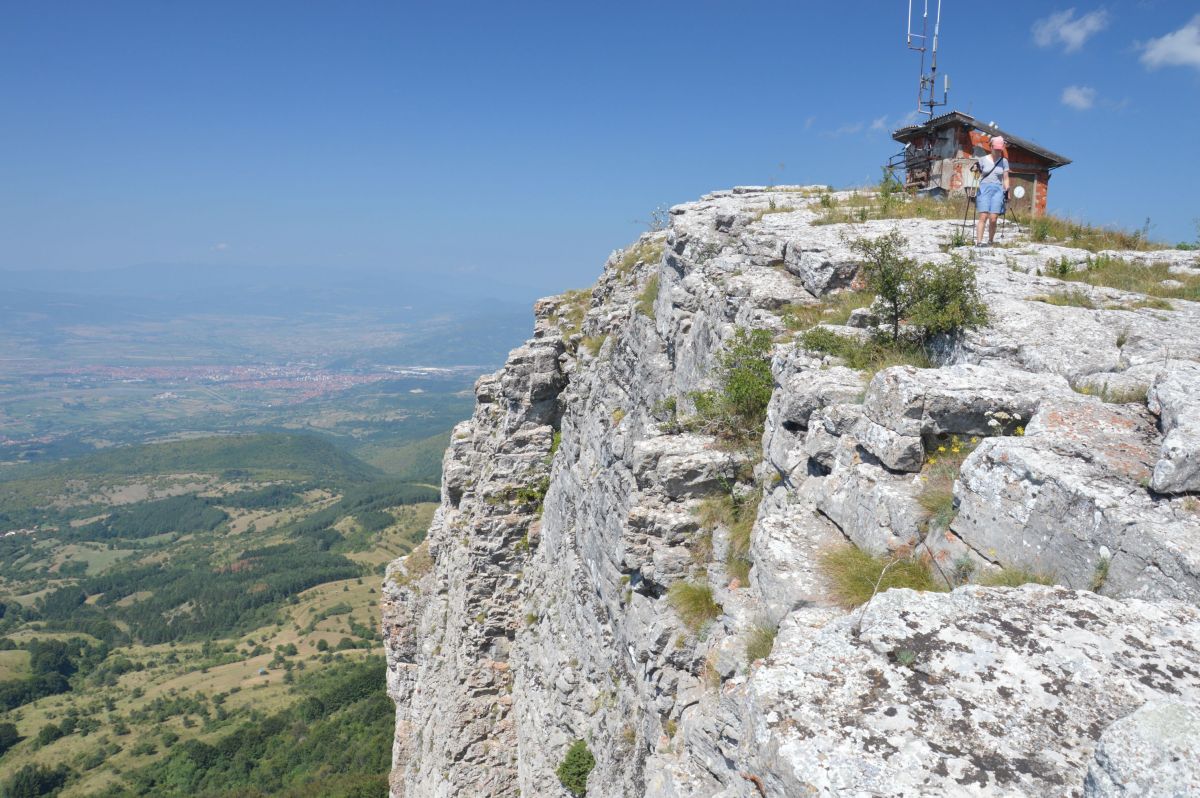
<point x="737" y="410"/>
<point x="1015" y="577"/>
<point x="694" y="604"/>
<point x="948" y="298"/>
<point x="760" y="641"/>
<point x="1100" y="574"/>
<point x="575" y="768"/>
<point x="853" y="574"/>
<point x="891" y="275"/>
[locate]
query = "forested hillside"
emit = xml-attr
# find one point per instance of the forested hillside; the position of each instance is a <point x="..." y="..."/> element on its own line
<point x="198" y="618"/>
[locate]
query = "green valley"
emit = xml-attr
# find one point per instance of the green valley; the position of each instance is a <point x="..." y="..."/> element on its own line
<point x="199" y="616"/>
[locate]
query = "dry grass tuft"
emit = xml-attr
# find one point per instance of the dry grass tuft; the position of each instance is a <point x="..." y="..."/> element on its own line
<point x="1138" y="278"/>
<point x="1051" y="228"/>
<point x="1015" y="577"/>
<point x="645" y="303"/>
<point x="1069" y="298"/>
<point x="1135" y="394"/>
<point x="760" y="640"/>
<point x="694" y="604"/>
<point x="852" y="575"/>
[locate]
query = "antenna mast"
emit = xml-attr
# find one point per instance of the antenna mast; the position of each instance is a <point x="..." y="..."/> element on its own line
<point x="922" y="43"/>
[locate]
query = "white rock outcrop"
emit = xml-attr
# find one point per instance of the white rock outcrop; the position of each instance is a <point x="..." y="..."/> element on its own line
<point x="539" y="610"/>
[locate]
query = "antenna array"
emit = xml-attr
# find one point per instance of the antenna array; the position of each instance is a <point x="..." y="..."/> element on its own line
<point x="923" y="43"/>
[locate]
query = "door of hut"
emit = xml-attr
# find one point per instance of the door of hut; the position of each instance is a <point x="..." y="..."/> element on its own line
<point x="1022" y="207"/>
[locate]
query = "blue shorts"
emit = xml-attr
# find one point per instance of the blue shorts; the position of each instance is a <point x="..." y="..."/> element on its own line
<point x="990" y="198"/>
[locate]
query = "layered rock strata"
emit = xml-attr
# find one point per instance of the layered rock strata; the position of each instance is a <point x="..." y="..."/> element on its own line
<point x="540" y="610"/>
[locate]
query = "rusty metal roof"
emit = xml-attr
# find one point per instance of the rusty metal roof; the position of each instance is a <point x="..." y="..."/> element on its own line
<point x="904" y="134"/>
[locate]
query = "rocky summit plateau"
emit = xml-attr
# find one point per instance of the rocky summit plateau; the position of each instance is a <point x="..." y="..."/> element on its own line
<point x="613" y="597"/>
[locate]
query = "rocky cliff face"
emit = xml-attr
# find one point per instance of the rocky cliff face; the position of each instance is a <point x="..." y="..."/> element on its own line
<point x="538" y="612"/>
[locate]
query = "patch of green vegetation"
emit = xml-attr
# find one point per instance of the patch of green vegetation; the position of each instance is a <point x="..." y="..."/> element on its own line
<point x="937" y="298"/>
<point x="647" y="250"/>
<point x="417" y="565"/>
<point x="745" y="512"/>
<point x="760" y="639"/>
<point x="737" y="410"/>
<point x="645" y="303"/>
<point x="860" y="207"/>
<point x="853" y="575"/>
<point x="1100" y="574"/>
<point x="417" y="461"/>
<point x="575" y="768"/>
<point x="694" y="603"/>
<point x="187" y="513"/>
<point x="772" y="207"/>
<point x="1070" y="298"/>
<point x="865" y="354"/>
<point x="1133" y="394"/>
<point x="1013" y="576"/>
<point x="571" y="311"/>
<point x="592" y="343"/>
<point x="334" y="741"/>
<point x="1137" y="278"/>
<point x="832" y="309"/>
<point x="947" y="298"/>
<point x="1090" y="237"/>
<point x="942" y="466"/>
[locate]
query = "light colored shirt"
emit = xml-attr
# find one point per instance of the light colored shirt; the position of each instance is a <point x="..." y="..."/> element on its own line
<point x="997" y="174"/>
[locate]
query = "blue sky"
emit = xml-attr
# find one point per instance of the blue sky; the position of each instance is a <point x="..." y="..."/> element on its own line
<point x="524" y="139"/>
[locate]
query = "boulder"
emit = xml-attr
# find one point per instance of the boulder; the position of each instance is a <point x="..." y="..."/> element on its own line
<point x="1153" y="751"/>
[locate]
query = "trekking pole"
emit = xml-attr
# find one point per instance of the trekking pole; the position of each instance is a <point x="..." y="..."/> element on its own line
<point x="968" y="193"/>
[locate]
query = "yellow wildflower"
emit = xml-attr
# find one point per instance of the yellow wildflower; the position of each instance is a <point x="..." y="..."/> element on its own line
<point x="942" y="449"/>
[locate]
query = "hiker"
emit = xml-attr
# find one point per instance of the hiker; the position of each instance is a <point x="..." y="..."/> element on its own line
<point x="993" y="191"/>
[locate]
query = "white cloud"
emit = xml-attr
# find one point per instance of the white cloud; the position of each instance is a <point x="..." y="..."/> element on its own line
<point x="848" y="129"/>
<point x="1177" y="48"/>
<point x="1064" y="28"/>
<point x="220" y="246"/>
<point x="1080" y="98"/>
<point x="879" y="124"/>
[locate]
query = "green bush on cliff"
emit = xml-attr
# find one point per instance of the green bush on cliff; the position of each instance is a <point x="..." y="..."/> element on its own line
<point x="737" y="409"/>
<point x="575" y="768"/>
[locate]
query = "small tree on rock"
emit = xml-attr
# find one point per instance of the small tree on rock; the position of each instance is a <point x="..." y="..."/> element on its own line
<point x="890" y="275"/>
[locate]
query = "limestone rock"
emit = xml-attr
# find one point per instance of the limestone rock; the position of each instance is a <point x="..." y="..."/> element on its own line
<point x="1153" y="751"/>
<point x="1175" y="398"/>
<point x="573" y="504"/>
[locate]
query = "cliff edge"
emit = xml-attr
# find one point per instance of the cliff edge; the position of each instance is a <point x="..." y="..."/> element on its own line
<point x="603" y="568"/>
